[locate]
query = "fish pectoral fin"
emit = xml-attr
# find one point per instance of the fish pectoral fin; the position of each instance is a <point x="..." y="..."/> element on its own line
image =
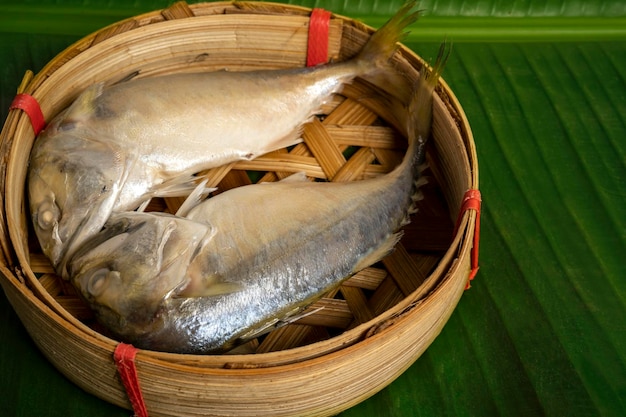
<point x="196" y="196"/>
<point x="143" y="206"/>
<point x="295" y="177"/>
<point x="277" y="322"/>
<point x="299" y="313"/>
<point x="378" y="253"/>
<point x="180" y="186"/>
<point x="84" y="106"/>
<point x="218" y="288"/>
<point x="259" y="330"/>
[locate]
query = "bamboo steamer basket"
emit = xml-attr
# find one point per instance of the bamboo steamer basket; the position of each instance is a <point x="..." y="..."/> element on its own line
<point x="367" y="332"/>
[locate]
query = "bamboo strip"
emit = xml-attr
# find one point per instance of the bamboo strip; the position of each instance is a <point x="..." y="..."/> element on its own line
<point x="368" y="278"/>
<point x="365" y="136"/>
<point x="178" y="10"/>
<point x="40" y="264"/>
<point x="403" y="269"/>
<point x="288" y="162"/>
<point x="328" y="312"/>
<point x="273" y="176"/>
<point x="357" y="302"/>
<point x="375" y="170"/>
<point x="159" y="204"/>
<point x="387" y="108"/>
<point x="76" y="307"/>
<point x="287" y="337"/>
<point x="51" y="284"/>
<point x="349" y="112"/>
<point x="356" y="165"/>
<point x="115" y="30"/>
<point x="386" y="296"/>
<point x="323" y="148"/>
<point x="388" y="158"/>
<point x="234" y="178"/>
<point x="279" y="175"/>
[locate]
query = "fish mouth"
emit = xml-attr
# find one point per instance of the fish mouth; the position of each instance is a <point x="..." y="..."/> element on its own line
<point x="88" y="227"/>
<point x="75" y="242"/>
<point x="60" y="239"/>
<point x="75" y="179"/>
<point x="92" y="248"/>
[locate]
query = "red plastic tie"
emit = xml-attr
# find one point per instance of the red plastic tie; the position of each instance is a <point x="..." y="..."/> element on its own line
<point x="471" y="201"/>
<point x="30" y="106"/>
<point x="317" y="50"/>
<point x="124" y="356"/>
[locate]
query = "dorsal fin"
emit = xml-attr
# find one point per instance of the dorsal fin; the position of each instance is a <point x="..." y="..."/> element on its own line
<point x="196" y="196"/>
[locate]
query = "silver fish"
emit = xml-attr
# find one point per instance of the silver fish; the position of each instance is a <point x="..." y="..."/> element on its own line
<point x="239" y="262"/>
<point x="118" y="146"/>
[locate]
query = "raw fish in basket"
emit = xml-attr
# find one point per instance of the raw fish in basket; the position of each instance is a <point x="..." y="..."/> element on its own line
<point x="237" y="264"/>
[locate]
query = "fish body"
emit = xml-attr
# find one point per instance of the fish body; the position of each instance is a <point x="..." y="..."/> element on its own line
<point x="118" y="146"/>
<point x="239" y="262"/>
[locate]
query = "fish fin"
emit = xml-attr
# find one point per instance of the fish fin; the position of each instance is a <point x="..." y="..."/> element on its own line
<point x="417" y="196"/>
<point x="260" y="330"/>
<point x="296" y="177"/>
<point x="395" y="83"/>
<point x="143" y="206"/>
<point x="84" y="105"/>
<point x="421" y="104"/>
<point x="384" y="42"/>
<point x="196" y="196"/>
<point x="275" y="323"/>
<point x="300" y="314"/>
<point x="218" y="288"/>
<point x="180" y="186"/>
<point x="378" y="253"/>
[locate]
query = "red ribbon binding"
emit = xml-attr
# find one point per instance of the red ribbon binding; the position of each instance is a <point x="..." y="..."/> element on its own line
<point x="317" y="50"/>
<point x="124" y="356"/>
<point x="471" y="201"/>
<point x="30" y="106"/>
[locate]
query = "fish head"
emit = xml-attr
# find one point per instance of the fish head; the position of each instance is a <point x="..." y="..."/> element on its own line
<point x="73" y="183"/>
<point x="130" y="268"/>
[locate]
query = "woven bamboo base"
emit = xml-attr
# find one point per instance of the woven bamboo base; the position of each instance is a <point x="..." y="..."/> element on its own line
<point x="357" y="339"/>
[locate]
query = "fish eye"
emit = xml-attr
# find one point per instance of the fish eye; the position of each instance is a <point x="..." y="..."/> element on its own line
<point x="99" y="281"/>
<point x="48" y="215"/>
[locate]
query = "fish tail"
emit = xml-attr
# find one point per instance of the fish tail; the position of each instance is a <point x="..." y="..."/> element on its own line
<point x="384" y="42"/>
<point x="421" y="104"/>
<point x="420" y="111"/>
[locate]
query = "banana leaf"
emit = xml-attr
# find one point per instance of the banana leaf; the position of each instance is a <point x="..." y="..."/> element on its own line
<point x="542" y="330"/>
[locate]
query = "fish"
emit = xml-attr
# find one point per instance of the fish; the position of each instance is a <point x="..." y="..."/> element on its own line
<point x="117" y="146"/>
<point x="232" y="266"/>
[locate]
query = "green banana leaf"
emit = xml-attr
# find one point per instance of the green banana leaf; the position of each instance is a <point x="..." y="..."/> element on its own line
<point x="542" y="331"/>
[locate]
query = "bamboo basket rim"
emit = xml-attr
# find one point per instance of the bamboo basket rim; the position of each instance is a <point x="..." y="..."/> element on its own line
<point x="452" y="264"/>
